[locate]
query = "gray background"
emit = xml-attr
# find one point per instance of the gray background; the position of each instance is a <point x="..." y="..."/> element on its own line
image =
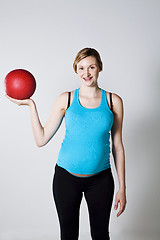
<point x="44" y="38"/>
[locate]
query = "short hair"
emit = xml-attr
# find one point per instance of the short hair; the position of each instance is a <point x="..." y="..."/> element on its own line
<point x="86" y="52"/>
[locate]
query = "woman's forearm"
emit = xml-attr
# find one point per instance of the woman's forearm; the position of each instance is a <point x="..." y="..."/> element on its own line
<point x="37" y="128"/>
<point x="119" y="159"/>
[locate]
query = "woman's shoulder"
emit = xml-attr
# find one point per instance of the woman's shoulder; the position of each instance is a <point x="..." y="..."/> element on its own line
<point x="117" y="101"/>
<point x="63" y="98"/>
<point x="67" y="92"/>
<point x="115" y="96"/>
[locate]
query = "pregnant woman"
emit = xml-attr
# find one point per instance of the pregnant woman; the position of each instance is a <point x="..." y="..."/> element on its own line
<point x="83" y="165"/>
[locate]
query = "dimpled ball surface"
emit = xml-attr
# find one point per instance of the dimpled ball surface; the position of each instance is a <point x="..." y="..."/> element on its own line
<point x="20" y="84"/>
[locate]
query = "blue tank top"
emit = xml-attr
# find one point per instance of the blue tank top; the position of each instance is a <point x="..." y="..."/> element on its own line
<point x="85" y="148"/>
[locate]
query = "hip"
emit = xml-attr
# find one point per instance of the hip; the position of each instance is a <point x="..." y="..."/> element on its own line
<point x="64" y="173"/>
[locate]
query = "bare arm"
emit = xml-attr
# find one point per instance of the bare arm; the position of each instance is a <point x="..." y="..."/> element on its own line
<point x="43" y="134"/>
<point x="118" y="152"/>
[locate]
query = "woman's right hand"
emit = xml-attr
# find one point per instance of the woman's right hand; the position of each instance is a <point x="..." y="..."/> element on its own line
<point x="20" y="102"/>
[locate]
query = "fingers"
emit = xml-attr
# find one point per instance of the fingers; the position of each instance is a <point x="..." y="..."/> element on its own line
<point x="7" y="96"/>
<point x="120" y="199"/>
<point x="19" y="102"/>
<point x="122" y="207"/>
<point x="13" y="100"/>
<point x="116" y="204"/>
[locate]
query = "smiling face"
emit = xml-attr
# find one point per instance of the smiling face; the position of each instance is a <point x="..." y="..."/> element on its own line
<point x="88" y="71"/>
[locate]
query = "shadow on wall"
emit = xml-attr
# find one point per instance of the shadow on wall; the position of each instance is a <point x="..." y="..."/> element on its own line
<point x="143" y="169"/>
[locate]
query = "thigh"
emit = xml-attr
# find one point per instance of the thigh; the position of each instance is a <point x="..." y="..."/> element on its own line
<point x="67" y="196"/>
<point x="99" y="197"/>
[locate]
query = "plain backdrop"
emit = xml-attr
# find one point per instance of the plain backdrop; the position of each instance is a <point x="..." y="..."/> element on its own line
<point x="44" y="37"/>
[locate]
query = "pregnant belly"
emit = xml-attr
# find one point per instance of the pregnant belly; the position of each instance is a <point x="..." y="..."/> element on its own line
<point x="83" y="160"/>
<point x="82" y="175"/>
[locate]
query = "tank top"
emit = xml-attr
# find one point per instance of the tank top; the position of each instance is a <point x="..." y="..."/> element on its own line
<point x="85" y="148"/>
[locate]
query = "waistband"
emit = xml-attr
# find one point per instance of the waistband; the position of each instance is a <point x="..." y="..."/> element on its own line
<point x="103" y="172"/>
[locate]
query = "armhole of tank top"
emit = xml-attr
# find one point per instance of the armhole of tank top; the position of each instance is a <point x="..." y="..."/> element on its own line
<point x="69" y="93"/>
<point x="111" y="101"/>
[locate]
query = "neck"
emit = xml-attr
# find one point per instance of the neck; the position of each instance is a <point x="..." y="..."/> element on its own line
<point x="88" y="91"/>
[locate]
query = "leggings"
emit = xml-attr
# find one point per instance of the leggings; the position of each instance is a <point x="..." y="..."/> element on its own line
<point x="98" y="191"/>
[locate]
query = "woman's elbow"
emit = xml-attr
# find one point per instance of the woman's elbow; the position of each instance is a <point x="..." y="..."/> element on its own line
<point x="40" y="144"/>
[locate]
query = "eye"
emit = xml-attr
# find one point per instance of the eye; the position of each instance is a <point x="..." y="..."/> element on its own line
<point x="81" y="68"/>
<point x="92" y="67"/>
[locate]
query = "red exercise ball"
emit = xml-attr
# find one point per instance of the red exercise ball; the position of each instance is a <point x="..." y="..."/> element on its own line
<point x="20" y="84"/>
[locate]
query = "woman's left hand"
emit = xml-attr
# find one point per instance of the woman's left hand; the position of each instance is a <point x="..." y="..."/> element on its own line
<point x="120" y="198"/>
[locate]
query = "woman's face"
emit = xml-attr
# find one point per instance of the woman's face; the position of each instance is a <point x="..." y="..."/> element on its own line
<point x="88" y="71"/>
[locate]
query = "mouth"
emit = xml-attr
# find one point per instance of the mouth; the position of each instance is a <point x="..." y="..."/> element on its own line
<point x="87" y="79"/>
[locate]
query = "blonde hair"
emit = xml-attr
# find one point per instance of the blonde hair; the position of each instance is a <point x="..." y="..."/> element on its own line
<point x="86" y="52"/>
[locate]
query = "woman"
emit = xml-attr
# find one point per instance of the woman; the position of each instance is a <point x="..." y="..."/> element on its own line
<point x="83" y="164"/>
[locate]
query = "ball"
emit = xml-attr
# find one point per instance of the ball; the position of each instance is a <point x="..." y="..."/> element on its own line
<point x="20" y="84"/>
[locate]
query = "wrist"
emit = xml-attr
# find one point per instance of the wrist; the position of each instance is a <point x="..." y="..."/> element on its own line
<point x="122" y="188"/>
<point x="31" y="103"/>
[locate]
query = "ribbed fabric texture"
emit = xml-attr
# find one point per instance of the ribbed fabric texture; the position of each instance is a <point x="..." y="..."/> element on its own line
<point x="85" y="148"/>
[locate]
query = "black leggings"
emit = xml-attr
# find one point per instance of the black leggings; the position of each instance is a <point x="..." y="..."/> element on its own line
<point x="98" y="192"/>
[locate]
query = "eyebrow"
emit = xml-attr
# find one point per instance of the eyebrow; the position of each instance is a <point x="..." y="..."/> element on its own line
<point x="89" y="65"/>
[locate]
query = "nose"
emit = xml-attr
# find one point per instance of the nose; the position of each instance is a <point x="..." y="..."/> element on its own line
<point x="87" y="72"/>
